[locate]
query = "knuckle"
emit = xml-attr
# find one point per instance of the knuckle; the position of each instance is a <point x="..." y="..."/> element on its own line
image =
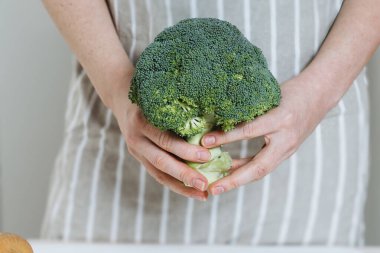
<point x="184" y="175"/>
<point x="158" y="161"/>
<point x="261" y="172"/>
<point x="164" y="140"/>
<point x="234" y="183"/>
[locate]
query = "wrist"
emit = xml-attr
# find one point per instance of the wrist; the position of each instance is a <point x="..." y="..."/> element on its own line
<point x="324" y="88"/>
<point x="118" y="100"/>
<point x="115" y="86"/>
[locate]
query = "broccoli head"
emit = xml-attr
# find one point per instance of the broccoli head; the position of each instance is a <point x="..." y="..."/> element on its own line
<point x="199" y="75"/>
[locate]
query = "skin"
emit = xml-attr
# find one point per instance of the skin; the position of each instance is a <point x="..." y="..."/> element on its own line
<point x="87" y="27"/>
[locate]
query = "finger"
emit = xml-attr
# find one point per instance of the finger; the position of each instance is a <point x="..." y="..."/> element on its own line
<point x="170" y="165"/>
<point x="237" y="163"/>
<point x="173" y="184"/>
<point x="176" y="145"/>
<point x="260" y="126"/>
<point x="263" y="163"/>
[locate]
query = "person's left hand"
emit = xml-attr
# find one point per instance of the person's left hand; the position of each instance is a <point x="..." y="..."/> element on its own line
<point x="284" y="129"/>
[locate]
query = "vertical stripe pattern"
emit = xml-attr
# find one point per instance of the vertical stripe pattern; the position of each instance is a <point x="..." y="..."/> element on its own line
<point x="213" y="220"/>
<point x="140" y="211"/>
<point x="164" y="215"/>
<point x="366" y="173"/>
<point x="293" y="159"/>
<point x="263" y="211"/>
<point x="314" y="204"/>
<point x="361" y="169"/>
<point x="117" y="192"/>
<point x="193" y="9"/>
<point x="140" y="206"/>
<point x="239" y="199"/>
<point x="220" y="9"/>
<point x="76" y="170"/>
<point x="266" y="182"/>
<point x="95" y="178"/>
<point x="273" y="37"/>
<point x="150" y="19"/>
<point x="132" y="7"/>
<point x="341" y="178"/>
<point x="188" y="220"/>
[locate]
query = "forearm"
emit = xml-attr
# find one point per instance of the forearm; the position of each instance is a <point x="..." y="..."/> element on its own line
<point x="87" y="27"/>
<point x="350" y="44"/>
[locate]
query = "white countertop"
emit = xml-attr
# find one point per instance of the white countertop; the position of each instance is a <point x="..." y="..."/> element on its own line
<point x="51" y="247"/>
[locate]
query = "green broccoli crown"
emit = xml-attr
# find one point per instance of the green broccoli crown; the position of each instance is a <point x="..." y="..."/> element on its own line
<point x="202" y="71"/>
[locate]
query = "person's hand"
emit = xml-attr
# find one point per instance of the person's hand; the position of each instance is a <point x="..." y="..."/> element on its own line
<point x="161" y="152"/>
<point x="284" y="129"/>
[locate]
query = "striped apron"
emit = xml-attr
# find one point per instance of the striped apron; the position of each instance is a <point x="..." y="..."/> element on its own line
<point x="99" y="192"/>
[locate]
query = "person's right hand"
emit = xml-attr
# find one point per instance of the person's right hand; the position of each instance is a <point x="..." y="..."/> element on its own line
<point x="160" y="151"/>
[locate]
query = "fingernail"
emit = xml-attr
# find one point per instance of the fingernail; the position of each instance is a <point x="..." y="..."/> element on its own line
<point x="209" y="140"/>
<point x="217" y="190"/>
<point x="199" y="184"/>
<point x="204" y="155"/>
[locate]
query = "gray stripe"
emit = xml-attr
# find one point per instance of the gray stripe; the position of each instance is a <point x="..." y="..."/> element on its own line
<point x="188" y="221"/>
<point x="293" y="159"/>
<point x="132" y="7"/>
<point x="95" y="178"/>
<point x="140" y="205"/>
<point x="365" y="99"/>
<point x="314" y="203"/>
<point x="239" y="200"/>
<point x="114" y="231"/>
<point x="213" y="220"/>
<point x="76" y="169"/>
<point x="341" y="177"/>
<point x="220" y="9"/>
<point x="164" y="216"/>
<point x="193" y="9"/>
<point x="361" y="169"/>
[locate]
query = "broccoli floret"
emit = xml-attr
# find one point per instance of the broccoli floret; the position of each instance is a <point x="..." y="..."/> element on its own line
<point x="199" y="75"/>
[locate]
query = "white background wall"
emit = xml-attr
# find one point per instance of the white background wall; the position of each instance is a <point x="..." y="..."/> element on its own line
<point x="34" y="75"/>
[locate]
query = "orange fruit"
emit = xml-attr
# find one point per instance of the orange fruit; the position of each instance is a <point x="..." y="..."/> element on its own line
<point x="10" y="243"/>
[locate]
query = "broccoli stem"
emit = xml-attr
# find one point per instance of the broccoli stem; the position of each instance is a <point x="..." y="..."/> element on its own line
<point x="220" y="162"/>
